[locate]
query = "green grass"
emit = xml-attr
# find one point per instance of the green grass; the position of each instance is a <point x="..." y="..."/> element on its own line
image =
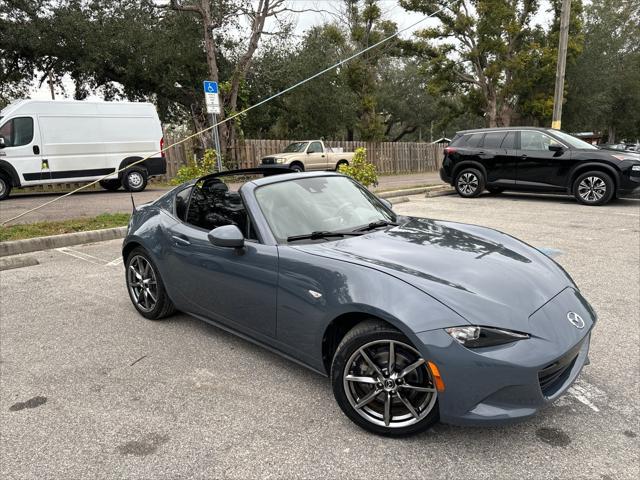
<point x="43" y="229"/>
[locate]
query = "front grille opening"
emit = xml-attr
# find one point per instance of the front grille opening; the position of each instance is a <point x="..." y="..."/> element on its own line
<point x="553" y="376"/>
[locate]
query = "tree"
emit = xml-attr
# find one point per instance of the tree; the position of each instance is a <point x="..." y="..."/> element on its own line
<point x="485" y="49"/>
<point x="604" y="81"/>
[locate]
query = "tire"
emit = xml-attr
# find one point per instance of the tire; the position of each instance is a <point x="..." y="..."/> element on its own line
<point x="111" y="185"/>
<point x="593" y="188"/>
<point x="372" y="337"/>
<point x="341" y="162"/>
<point x="5" y="187"/>
<point x="136" y="269"/>
<point x="297" y="167"/>
<point x="134" y="179"/>
<point x="469" y="182"/>
<point x="495" y="190"/>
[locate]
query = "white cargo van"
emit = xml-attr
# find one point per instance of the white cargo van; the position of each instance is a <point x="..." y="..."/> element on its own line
<point x="69" y="141"/>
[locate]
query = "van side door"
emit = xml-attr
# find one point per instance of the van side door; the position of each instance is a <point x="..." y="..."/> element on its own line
<point x="22" y="148"/>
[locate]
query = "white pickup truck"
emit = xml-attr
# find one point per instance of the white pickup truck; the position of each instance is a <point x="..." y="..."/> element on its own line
<point x="309" y="155"/>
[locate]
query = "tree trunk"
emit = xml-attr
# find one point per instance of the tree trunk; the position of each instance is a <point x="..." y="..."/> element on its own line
<point x="505" y="115"/>
<point x="611" y="134"/>
<point x="491" y="112"/>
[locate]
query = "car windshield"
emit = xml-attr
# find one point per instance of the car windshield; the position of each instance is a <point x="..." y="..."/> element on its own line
<point x="318" y="204"/>
<point x="296" y="147"/>
<point x="573" y="141"/>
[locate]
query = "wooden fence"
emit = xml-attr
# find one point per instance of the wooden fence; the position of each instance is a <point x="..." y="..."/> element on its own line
<point x="388" y="157"/>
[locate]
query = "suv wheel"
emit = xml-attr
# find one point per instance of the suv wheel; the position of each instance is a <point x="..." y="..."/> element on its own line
<point x="134" y="179"/>
<point x="145" y="286"/>
<point x="382" y="383"/>
<point x="5" y="187"/>
<point x="469" y="183"/>
<point x="593" y="188"/>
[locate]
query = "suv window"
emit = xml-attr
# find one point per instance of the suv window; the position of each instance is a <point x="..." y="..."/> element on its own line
<point x="210" y="204"/>
<point x="17" y="132"/>
<point x="459" y="140"/>
<point x="531" y="140"/>
<point x="475" y="140"/>
<point x="315" y="147"/>
<point x="494" y="139"/>
<point x="509" y="142"/>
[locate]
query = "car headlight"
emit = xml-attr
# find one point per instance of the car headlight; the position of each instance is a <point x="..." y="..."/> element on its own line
<point x="281" y="160"/>
<point x="478" y="337"/>
<point x="635" y="168"/>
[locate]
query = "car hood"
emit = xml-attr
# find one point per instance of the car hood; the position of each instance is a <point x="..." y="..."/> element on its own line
<point x="487" y="277"/>
<point x="284" y="155"/>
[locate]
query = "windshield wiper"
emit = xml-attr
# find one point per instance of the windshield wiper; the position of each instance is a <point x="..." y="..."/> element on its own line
<point x="320" y="234"/>
<point x="374" y="225"/>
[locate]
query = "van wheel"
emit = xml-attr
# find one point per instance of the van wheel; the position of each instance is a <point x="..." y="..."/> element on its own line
<point x="469" y="183"/>
<point x="5" y="187"/>
<point x="111" y="185"/>
<point x="593" y="188"/>
<point x="340" y="163"/>
<point x="135" y="179"/>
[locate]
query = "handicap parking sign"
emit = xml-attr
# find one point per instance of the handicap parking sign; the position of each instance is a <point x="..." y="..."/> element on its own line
<point x="210" y="87"/>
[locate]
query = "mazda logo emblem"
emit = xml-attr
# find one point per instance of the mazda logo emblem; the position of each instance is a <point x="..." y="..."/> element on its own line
<point x="575" y="320"/>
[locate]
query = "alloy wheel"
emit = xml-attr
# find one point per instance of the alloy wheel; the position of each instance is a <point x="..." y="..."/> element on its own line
<point x="142" y="282"/>
<point x="592" y="189"/>
<point x="389" y="384"/>
<point x="468" y="183"/>
<point x="3" y="187"/>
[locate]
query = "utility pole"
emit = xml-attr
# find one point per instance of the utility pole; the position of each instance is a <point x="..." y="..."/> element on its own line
<point x="51" y="89"/>
<point x="562" y="63"/>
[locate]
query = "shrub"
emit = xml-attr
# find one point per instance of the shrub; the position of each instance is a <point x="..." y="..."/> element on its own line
<point x="361" y="170"/>
<point x="196" y="169"/>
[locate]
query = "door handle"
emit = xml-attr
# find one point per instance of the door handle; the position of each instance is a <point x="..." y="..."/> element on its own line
<point x="181" y="240"/>
<point x="523" y="156"/>
<point x="36" y="150"/>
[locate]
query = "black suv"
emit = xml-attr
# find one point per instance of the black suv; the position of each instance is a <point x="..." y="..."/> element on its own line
<point x="538" y="160"/>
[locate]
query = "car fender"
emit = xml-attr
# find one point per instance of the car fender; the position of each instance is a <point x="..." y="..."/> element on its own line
<point x="467" y="164"/>
<point x="588" y="165"/>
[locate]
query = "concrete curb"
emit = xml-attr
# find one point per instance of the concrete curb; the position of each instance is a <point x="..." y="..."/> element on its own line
<point x="413" y="191"/>
<point x="9" y="263"/>
<point x="17" y="247"/>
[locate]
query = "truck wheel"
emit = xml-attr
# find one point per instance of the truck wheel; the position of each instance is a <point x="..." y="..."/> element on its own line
<point x="5" y="187"/>
<point x="134" y="179"/>
<point x="297" y="167"/>
<point x="340" y="163"/>
<point x="111" y="185"/>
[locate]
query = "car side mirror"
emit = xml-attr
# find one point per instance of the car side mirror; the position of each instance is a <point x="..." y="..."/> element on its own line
<point x="386" y="203"/>
<point x="2" y="144"/>
<point x="556" y="148"/>
<point x="228" y="236"/>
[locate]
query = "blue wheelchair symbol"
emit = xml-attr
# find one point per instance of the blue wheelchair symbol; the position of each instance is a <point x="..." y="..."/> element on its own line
<point x="210" y="87"/>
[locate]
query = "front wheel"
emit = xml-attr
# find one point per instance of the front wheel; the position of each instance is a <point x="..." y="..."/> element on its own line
<point x="593" y="188"/>
<point x="145" y="286"/>
<point x="5" y="187"/>
<point x="382" y="383"/>
<point x="469" y="183"/>
<point x="296" y="167"/>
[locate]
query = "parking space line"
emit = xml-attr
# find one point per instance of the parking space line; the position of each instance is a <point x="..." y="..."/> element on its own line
<point x="90" y="258"/>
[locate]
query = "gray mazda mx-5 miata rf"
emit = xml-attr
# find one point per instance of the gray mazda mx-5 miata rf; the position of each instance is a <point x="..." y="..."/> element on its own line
<point x="415" y="320"/>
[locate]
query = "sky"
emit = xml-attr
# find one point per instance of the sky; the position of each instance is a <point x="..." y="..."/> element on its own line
<point x="318" y="12"/>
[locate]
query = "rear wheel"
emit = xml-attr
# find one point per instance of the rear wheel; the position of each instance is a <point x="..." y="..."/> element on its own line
<point x="382" y="383"/>
<point x="340" y="163"/>
<point x="145" y="286"/>
<point x="593" y="188"/>
<point x="134" y="179"/>
<point x="469" y="182"/>
<point x="5" y="187"/>
<point x="111" y="185"/>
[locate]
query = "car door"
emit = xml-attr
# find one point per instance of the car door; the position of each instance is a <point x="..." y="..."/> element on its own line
<point x="498" y="156"/>
<point x="232" y="286"/>
<point x="538" y="166"/>
<point x="316" y="158"/>
<point x="22" y="148"/>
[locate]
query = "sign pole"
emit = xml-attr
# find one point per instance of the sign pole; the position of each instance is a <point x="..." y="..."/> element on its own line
<point x="216" y="141"/>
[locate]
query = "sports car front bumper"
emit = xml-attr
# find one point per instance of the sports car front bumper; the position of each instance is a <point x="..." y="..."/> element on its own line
<point x="513" y="381"/>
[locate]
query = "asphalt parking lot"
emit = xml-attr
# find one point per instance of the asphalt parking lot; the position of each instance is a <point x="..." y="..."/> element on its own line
<point x="91" y="389"/>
